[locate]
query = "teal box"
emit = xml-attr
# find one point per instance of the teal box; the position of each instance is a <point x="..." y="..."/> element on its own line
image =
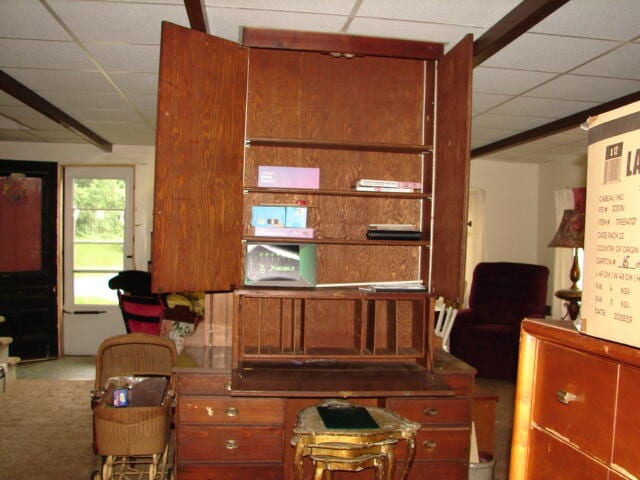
<point x="296" y="217"/>
<point x="268" y="216"/>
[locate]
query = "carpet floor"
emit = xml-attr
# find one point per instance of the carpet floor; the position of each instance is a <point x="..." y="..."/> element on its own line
<point x="45" y="430"/>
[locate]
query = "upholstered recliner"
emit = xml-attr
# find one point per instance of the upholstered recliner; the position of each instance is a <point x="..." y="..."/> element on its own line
<point x="486" y="334"/>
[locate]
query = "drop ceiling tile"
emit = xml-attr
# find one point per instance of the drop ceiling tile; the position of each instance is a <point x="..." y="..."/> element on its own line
<point x="227" y="22"/>
<point x="508" y="122"/>
<point x="28" y="117"/>
<point x="123" y="57"/>
<point x="61" y="80"/>
<point x="548" y="53"/>
<point x="616" y="20"/>
<point x="85" y="115"/>
<point x="621" y="63"/>
<point x="29" y="19"/>
<point x="481" y="102"/>
<point x="542" y="107"/>
<point x="79" y="99"/>
<point x="42" y="54"/>
<point x="117" y="21"/>
<point x="461" y="12"/>
<point x="507" y="82"/>
<point x="6" y="99"/>
<point x="9" y="135"/>
<point x="336" y="7"/>
<point x="430" y="32"/>
<point x="135" y="82"/>
<point x="579" y="87"/>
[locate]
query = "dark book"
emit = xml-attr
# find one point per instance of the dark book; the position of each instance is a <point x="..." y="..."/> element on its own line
<point x="338" y="417"/>
<point x="394" y="234"/>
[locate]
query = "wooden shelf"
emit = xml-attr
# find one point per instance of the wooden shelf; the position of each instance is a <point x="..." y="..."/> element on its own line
<point x="337" y="241"/>
<point x="337" y="193"/>
<point x="338" y="145"/>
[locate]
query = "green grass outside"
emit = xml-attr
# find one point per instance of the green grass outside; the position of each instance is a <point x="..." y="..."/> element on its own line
<point x="98" y="256"/>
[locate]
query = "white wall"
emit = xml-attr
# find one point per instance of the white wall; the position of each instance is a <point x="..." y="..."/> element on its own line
<point x="511" y="209"/>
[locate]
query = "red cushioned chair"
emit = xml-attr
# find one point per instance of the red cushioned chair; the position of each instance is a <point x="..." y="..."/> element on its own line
<point x="486" y="335"/>
<point x="142" y="310"/>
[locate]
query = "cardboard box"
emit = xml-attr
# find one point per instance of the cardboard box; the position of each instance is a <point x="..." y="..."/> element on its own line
<point x="288" y="177"/>
<point x="611" y="285"/>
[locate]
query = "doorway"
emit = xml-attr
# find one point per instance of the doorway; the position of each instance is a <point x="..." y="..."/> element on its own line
<point x="98" y="243"/>
<point x="28" y="258"/>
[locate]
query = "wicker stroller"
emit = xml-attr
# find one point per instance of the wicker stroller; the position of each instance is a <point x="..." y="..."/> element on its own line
<point x="132" y="407"/>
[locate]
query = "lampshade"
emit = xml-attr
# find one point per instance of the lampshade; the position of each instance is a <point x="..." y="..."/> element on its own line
<point x="571" y="230"/>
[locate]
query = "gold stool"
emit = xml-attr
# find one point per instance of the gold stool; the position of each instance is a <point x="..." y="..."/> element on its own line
<point x="352" y="449"/>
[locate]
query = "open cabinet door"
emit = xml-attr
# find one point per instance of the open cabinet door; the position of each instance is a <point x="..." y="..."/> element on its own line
<point x="197" y="222"/>
<point x="452" y="171"/>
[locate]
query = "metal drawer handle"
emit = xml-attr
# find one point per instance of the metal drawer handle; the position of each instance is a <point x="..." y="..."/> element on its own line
<point x="230" y="444"/>
<point x="210" y="411"/>
<point x="231" y="412"/>
<point x="565" y="397"/>
<point x="227" y="386"/>
<point x="431" y="412"/>
<point x="430" y="444"/>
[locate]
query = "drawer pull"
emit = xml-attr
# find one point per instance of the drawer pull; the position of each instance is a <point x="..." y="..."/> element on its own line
<point x="230" y="444"/>
<point x="210" y="411"/>
<point x="565" y="397"/>
<point x="431" y="412"/>
<point x="231" y="412"/>
<point x="227" y="386"/>
<point x="429" y="444"/>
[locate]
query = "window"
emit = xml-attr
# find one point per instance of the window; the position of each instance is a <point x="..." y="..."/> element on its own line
<point x="97" y="232"/>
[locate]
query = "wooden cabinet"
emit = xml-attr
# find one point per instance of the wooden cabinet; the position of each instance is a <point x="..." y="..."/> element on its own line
<point x="576" y="405"/>
<point x="351" y="107"/>
<point x="289" y="99"/>
<point x="228" y="433"/>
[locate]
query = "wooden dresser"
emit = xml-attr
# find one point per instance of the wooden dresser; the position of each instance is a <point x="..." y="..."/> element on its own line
<point x="577" y="413"/>
<point x="235" y="433"/>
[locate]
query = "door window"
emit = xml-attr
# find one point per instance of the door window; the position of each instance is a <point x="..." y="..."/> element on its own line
<point x="98" y="235"/>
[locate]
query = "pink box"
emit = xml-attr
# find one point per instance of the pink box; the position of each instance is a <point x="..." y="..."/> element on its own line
<point x="292" y="232"/>
<point x="288" y="177"/>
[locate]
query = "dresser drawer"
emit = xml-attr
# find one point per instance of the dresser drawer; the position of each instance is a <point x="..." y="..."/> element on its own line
<point x="254" y="471"/>
<point x="229" y="444"/>
<point x="230" y="410"/>
<point x="552" y="458"/>
<point x="456" y="470"/>
<point x="574" y="396"/>
<point x="441" y="444"/>
<point x="626" y="443"/>
<point x="430" y="411"/>
<point x="203" y="384"/>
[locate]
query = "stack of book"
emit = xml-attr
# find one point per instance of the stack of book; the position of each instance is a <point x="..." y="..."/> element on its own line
<point x="391" y="186"/>
<point x="393" y="231"/>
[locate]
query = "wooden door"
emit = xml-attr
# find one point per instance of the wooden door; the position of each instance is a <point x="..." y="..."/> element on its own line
<point x="28" y="265"/>
<point x="199" y="153"/>
<point x="452" y="170"/>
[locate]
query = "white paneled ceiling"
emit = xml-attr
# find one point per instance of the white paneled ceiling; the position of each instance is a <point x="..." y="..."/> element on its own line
<point x="97" y="60"/>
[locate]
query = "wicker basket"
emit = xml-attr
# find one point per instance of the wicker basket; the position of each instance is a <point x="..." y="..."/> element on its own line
<point x="132" y="430"/>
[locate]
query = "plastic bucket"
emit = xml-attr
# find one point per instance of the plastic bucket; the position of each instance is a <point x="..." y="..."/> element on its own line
<point x="482" y="470"/>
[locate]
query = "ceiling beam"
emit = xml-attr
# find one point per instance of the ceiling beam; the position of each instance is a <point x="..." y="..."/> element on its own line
<point x="557" y="126"/>
<point x="30" y="98"/>
<point x="197" y="14"/>
<point x="527" y="14"/>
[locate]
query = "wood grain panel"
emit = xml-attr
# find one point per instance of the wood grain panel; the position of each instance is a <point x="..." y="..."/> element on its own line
<point x="452" y="171"/>
<point x="627" y="431"/>
<point x="315" y="96"/>
<point x="431" y="411"/>
<point x="255" y="471"/>
<point x="199" y="151"/>
<point x="561" y="369"/>
<point x="221" y="410"/>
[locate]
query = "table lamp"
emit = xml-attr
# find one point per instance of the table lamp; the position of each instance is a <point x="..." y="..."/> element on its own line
<point x="570" y="234"/>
